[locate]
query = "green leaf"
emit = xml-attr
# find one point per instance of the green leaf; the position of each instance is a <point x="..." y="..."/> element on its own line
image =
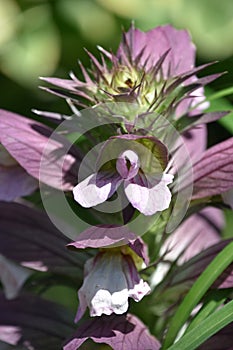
<point x="219" y="103"/>
<point x="204" y="330"/>
<point x="222" y="93"/>
<point x="196" y="293"/>
<point x="227" y="122"/>
<point x="214" y="299"/>
<point x="227" y="231"/>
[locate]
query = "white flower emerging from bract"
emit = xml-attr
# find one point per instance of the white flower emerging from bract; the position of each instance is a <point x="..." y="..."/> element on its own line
<point x="110" y="279"/>
<point x="141" y="169"/>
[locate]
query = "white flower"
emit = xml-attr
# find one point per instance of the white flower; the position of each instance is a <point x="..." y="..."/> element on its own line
<point x="110" y="279"/>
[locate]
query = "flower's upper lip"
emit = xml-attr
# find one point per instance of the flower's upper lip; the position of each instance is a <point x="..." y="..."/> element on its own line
<point x="120" y="147"/>
<point x="128" y="164"/>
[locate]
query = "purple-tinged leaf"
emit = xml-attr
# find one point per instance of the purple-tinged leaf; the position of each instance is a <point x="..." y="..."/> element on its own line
<point x="15" y="182"/>
<point x="12" y="277"/>
<point x="192" y="100"/>
<point x="190" y="271"/>
<point x="195" y="140"/>
<point x="27" y="141"/>
<point x="29" y="238"/>
<point x="185" y="123"/>
<point x="187" y="76"/>
<point x="106" y="236"/>
<point x="103" y="236"/>
<point x="96" y="64"/>
<point x="119" y="332"/>
<point x="62" y="83"/>
<point x="140" y="248"/>
<point x="58" y="92"/>
<point x="71" y="92"/>
<point x="213" y="172"/>
<point x="194" y="235"/>
<point x="105" y="52"/>
<point x="34" y="323"/>
<point x="84" y="73"/>
<point x="225" y="280"/>
<point x="209" y="78"/>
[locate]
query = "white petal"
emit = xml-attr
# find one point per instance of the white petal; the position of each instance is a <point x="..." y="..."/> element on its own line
<point x="106" y="303"/>
<point x="120" y="301"/>
<point x="140" y="290"/>
<point x="105" y="287"/>
<point x="108" y="285"/>
<point x="88" y="194"/>
<point x="101" y="303"/>
<point x="150" y="200"/>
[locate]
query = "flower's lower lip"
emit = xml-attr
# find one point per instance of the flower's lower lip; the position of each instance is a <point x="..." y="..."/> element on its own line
<point x="110" y="279"/>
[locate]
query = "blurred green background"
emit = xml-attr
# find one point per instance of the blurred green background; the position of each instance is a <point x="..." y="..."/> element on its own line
<point x="45" y="38"/>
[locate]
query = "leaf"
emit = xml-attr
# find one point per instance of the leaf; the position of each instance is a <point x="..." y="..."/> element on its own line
<point x="27" y="142"/>
<point x="221" y="93"/>
<point x="70" y="85"/>
<point x="211" y="325"/>
<point x="103" y="236"/>
<point x="119" y="332"/>
<point x="195" y="140"/>
<point x="15" y="182"/>
<point x="110" y="236"/>
<point x="34" y="323"/>
<point x="224" y="336"/>
<point x="198" y="232"/>
<point x="203" y="283"/>
<point x="214" y="299"/>
<point x="29" y="238"/>
<point x="185" y="122"/>
<point x="219" y="102"/>
<point x="213" y="172"/>
<point x="153" y="154"/>
<point x="193" y="268"/>
<point x="12" y="277"/>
